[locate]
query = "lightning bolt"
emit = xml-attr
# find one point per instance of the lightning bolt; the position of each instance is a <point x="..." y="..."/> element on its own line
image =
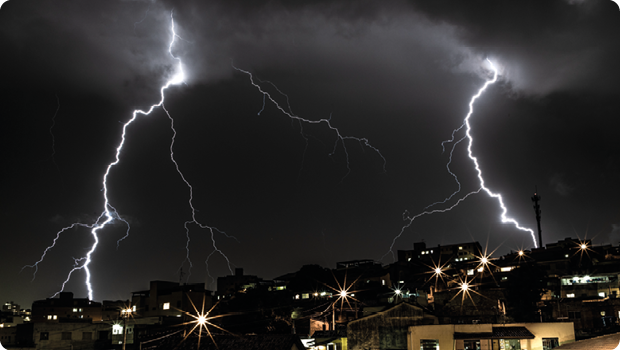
<point x="340" y="139"/>
<point x="467" y="126"/>
<point x="109" y="213"/>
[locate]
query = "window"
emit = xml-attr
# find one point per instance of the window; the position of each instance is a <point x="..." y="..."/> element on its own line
<point x="470" y="272"/>
<point x="44" y="336"/>
<point x="550" y="343"/>
<point x="305" y="296"/>
<point x="49" y="317"/>
<point x="65" y="336"/>
<point x="603" y="313"/>
<point x="601" y="294"/>
<point x="166" y="306"/>
<point x="471" y="344"/>
<point x="570" y="295"/>
<point x="87" y="335"/>
<point x="75" y="309"/>
<point x="54" y="317"/>
<point x="429" y="344"/>
<point x="117" y="329"/>
<point x="510" y="344"/>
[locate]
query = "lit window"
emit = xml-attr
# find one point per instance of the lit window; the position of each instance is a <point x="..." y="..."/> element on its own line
<point x="431" y="251"/>
<point x="166" y="306"/>
<point x="54" y="317"/>
<point x="80" y="309"/>
<point x="602" y="313"/>
<point x="305" y="296"/>
<point x="49" y="317"/>
<point x="570" y="295"/>
<point x="383" y="282"/>
<point x="74" y="309"/>
<point x="401" y="282"/>
<point x="297" y="296"/>
<point x="117" y="329"/>
<point x="409" y="259"/>
<point x="134" y="308"/>
<point x="470" y="272"/>
<point x="507" y="269"/>
<point x="480" y="269"/>
<point x="601" y="294"/>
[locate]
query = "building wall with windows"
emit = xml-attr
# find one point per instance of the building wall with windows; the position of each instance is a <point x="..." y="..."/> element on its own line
<point x="524" y="336"/>
<point x="74" y="336"/>
<point x="65" y="307"/>
<point x="170" y="299"/>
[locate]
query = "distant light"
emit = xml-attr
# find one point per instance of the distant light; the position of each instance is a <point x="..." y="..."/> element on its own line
<point x="397" y="292"/>
<point x="465" y="286"/>
<point x="343" y="293"/>
<point x="484" y="260"/>
<point x="521" y="253"/>
<point x="583" y="246"/>
<point x="438" y="270"/>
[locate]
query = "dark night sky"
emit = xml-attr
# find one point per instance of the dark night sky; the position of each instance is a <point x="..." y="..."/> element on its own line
<point x="398" y="73"/>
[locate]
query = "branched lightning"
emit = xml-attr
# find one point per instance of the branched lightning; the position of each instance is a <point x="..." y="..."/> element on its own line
<point x="466" y="124"/>
<point x="109" y="213"/>
<point x="340" y="139"/>
<point x="497" y="196"/>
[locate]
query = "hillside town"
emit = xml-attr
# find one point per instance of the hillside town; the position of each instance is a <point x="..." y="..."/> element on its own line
<point x="457" y="296"/>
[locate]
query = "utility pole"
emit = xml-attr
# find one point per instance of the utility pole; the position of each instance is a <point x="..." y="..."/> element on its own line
<point x="125" y="313"/>
<point x="536" y="199"/>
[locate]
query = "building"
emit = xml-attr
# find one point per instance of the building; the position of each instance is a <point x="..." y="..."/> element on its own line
<point x="530" y="336"/>
<point x="74" y="335"/>
<point x="170" y="299"/>
<point x="65" y="307"/>
<point x="386" y="329"/>
<point x="444" y="254"/>
<point x="230" y="284"/>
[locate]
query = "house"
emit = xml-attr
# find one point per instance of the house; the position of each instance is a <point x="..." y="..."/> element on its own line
<point x="386" y="329"/>
<point x="530" y="336"/>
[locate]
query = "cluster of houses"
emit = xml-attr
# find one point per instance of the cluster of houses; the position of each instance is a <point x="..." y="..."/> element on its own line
<point x="454" y="296"/>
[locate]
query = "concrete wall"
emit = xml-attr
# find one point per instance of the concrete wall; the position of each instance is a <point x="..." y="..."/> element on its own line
<point x="55" y="335"/>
